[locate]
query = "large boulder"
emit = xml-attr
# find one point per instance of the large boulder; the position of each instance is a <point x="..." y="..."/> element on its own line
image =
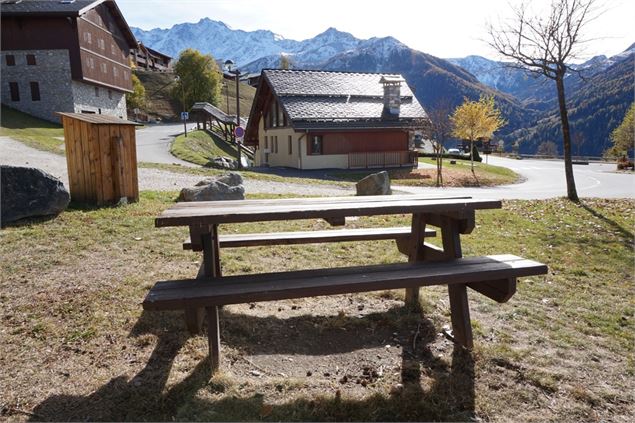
<point x="30" y="192"/>
<point x="222" y="162"/>
<point x="374" y="184"/>
<point x="225" y="187"/>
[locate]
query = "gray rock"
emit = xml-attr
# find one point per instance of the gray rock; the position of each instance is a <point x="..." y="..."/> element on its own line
<point x="231" y="178"/>
<point x="374" y="184"/>
<point x="222" y="162"/>
<point x="224" y="187"/>
<point x="30" y="192"/>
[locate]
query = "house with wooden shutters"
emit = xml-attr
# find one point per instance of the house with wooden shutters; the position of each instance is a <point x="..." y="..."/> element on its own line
<point x="151" y="60"/>
<point x="65" y="56"/>
<point x="308" y="119"/>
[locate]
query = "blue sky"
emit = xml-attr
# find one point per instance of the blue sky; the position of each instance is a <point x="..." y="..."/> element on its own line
<point x="447" y="28"/>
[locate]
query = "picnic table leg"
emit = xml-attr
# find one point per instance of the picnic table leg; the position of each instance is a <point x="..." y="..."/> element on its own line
<point x="210" y="267"/>
<point x="459" y="306"/>
<point x="415" y="253"/>
<point x="213" y="337"/>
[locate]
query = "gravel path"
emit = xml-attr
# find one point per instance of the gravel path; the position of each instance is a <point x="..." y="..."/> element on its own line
<point x="17" y="154"/>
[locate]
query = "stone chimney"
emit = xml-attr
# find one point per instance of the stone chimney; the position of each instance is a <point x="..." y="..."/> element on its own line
<point x="392" y="95"/>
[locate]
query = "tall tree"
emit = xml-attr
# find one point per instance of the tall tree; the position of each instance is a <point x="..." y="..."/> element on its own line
<point x="474" y="120"/>
<point x="137" y="98"/>
<point x="545" y="45"/>
<point x="441" y="130"/>
<point x="623" y="137"/>
<point x="199" y="78"/>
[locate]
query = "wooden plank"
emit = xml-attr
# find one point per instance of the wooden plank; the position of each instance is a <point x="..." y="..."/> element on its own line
<point x="79" y="163"/>
<point x="105" y="148"/>
<point x="133" y="163"/>
<point x="89" y="176"/>
<point x="128" y="165"/>
<point x="94" y="155"/>
<point x="309" y="237"/>
<point x="69" y="142"/>
<point x="500" y="291"/>
<point x="178" y="216"/>
<point x="119" y="177"/>
<point x="308" y="283"/>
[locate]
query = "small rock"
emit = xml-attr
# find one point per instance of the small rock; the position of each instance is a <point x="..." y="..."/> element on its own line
<point x="360" y="307"/>
<point x="344" y="379"/>
<point x="309" y="373"/>
<point x="327" y="374"/>
<point x="255" y="373"/>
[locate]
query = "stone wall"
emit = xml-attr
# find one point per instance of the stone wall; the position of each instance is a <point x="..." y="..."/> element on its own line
<point x="102" y="100"/>
<point x="52" y="72"/>
<point x="58" y="92"/>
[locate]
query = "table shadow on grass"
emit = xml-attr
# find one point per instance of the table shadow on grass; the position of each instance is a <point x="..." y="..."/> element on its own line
<point x="450" y="396"/>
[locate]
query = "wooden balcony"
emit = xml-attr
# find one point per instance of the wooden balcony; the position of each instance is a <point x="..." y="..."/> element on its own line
<point x="382" y="159"/>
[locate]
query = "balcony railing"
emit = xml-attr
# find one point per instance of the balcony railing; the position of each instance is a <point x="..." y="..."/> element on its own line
<point x="381" y="159"/>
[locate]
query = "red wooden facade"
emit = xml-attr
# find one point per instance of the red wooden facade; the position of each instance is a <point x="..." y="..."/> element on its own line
<point x="98" y="42"/>
<point x="362" y="141"/>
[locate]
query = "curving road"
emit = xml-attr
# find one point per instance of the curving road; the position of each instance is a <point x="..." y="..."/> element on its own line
<point x="545" y="179"/>
<point x="154" y="141"/>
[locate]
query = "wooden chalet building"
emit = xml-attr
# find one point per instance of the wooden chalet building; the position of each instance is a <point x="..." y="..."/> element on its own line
<point x="151" y="60"/>
<point x="319" y="120"/>
<point x="65" y="56"/>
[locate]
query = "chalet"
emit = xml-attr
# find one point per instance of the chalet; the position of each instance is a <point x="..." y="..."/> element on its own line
<point x="149" y="59"/>
<point x="65" y="56"/>
<point x="317" y="120"/>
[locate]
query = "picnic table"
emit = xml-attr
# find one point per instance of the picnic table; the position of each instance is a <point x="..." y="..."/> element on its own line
<point x="492" y="276"/>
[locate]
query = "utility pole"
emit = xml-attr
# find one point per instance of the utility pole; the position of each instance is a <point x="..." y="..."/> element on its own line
<point x="229" y="64"/>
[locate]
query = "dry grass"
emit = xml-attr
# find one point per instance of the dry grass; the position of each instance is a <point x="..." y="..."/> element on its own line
<point x="76" y="345"/>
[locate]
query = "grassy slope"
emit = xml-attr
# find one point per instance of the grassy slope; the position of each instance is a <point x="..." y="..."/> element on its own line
<point x="77" y="345"/>
<point x="160" y="103"/>
<point x="32" y="131"/>
<point x="200" y="147"/>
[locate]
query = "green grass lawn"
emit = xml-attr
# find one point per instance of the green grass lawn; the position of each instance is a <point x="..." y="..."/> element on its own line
<point x="76" y="344"/>
<point x="34" y="132"/>
<point x="454" y="175"/>
<point x="200" y="147"/>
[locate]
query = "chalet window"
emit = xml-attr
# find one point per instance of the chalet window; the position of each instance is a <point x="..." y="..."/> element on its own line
<point x="30" y="59"/>
<point x="10" y="59"/>
<point x="125" y="75"/>
<point x="104" y="68"/>
<point x="101" y="44"/>
<point x="275" y="146"/>
<point x="96" y="91"/>
<point x="290" y="144"/>
<point x="115" y="71"/>
<point x="266" y="142"/>
<point x="110" y="94"/>
<point x="35" y="91"/>
<point x="15" y="91"/>
<point x="280" y="115"/>
<point x="112" y="49"/>
<point x="316" y="144"/>
<point x="88" y="37"/>
<point x="91" y="63"/>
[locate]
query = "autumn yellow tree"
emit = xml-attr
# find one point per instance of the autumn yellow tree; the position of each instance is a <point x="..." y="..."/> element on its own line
<point x="199" y="78"/>
<point x="623" y="137"/>
<point x="474" y="120"/>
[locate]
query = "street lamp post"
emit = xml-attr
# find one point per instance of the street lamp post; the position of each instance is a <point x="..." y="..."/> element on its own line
<point x="177" y="79"/>
<point x="229" y="64"/>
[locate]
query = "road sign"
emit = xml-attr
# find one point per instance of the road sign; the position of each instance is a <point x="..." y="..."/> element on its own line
<point x="239" y="132"/>
<point x="185" y="115"/>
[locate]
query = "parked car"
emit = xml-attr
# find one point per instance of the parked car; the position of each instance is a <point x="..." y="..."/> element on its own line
<point x="454" y="151"/>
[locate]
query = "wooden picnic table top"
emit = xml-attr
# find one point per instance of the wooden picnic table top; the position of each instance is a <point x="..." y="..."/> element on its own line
<point x="217" y="212"/>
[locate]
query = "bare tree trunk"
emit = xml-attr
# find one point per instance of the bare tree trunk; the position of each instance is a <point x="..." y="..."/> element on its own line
<point x="572" y="193"/>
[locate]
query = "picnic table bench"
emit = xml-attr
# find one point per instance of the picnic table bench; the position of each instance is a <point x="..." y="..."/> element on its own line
<point x="493" y="276"/>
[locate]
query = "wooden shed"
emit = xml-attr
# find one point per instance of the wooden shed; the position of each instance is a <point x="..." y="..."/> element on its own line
<point x="101" y="156"/>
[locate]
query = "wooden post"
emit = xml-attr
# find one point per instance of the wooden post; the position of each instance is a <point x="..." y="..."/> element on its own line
<point x="415" y="253"/>
<point x="211" y="268"/>
<point x="459" y="306"/>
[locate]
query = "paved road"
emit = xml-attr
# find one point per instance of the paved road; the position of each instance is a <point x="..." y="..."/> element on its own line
<point x="545" y="179"/>
<point x="153" y="143"/>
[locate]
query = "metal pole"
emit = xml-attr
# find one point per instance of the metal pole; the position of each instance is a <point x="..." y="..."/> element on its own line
<point x="183" y="108"/>
<point x="238" y="116"/>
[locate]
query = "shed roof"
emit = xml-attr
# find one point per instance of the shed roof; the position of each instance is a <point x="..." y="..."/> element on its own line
<point x="99" y="119"/>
